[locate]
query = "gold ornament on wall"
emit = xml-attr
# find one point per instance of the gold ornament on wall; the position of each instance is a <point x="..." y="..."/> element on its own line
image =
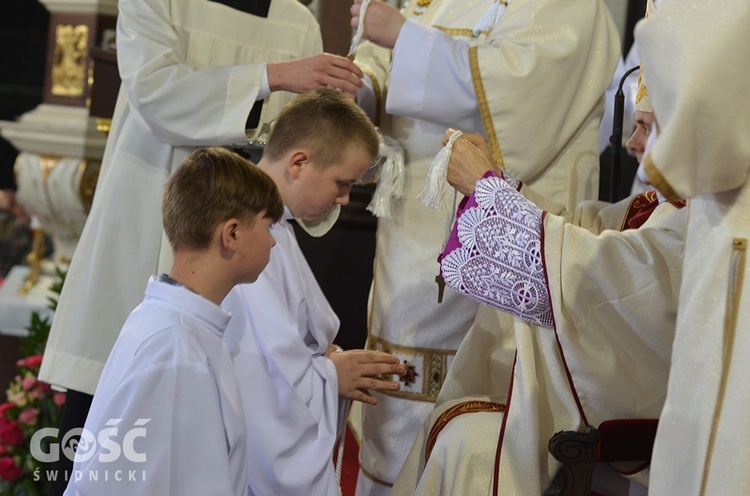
<point x="69" y="60"/>
<point x="88" y="174"/>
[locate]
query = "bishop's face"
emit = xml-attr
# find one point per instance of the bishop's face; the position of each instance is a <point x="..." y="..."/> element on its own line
<point x="317" y="190"/>
<point x="644" y="123"/>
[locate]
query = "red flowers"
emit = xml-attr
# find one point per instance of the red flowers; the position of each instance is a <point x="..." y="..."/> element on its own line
<point x="30" y="362"/>
<point x="10" y="434"/>
<point x="9" y="471"/>
<point x="30" y="406"/>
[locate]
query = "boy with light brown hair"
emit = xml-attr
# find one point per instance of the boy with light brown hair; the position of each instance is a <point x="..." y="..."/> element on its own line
<point x="166" y="417"/>
<point x="293" y="381"/>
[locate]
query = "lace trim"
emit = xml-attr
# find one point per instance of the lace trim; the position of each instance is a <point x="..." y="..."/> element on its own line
<point x="515" y="183"/>
<point x="499" y="261"/>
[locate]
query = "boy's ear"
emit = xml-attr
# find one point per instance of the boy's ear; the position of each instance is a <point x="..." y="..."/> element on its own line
<point x="299" y="158"/>
<point x="228" y="233"/>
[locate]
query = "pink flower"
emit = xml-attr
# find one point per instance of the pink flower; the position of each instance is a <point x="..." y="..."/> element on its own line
<point x="59" y="399"/>
<point x="28" y="382"/>
<point x="8" y="469"/>
<point x="10" y="433"/>
<point x="28" y="416"/>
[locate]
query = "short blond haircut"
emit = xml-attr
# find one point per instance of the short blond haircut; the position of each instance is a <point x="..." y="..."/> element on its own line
<point x="210" y="186"/>
<point x="325" y="121"/>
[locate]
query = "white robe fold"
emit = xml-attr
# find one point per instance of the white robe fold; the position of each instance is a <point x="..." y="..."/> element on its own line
<point x="166" y="416"/>
<point x="281" y="326"/>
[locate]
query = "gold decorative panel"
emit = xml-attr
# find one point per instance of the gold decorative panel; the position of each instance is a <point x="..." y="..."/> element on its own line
<point x="69" y="60"/>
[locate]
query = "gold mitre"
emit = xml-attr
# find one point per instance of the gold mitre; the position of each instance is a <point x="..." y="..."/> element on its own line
<point x="642" y="100"/>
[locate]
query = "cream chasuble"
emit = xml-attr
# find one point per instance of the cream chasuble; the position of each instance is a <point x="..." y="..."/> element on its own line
<point x="692" y="53"/>
<point x="191" y="72"/>
<point x="501" y="82"/>
<point x="511" y="388"/>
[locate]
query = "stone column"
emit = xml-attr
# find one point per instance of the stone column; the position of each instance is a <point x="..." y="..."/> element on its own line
<point x="60" y="147"/>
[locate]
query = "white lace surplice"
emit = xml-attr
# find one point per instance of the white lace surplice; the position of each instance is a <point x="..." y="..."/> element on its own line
<point x="499" y="257"/>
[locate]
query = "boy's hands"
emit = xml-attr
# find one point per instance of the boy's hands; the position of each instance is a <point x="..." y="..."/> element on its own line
<point x="358" y="372"/>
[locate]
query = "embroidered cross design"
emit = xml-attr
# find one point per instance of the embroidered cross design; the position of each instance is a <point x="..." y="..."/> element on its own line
<point x="410" y="377"/>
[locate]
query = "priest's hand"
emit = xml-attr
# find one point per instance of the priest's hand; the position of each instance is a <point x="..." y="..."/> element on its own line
<point x="309" y="73"/>
<point x="468" y="163"/>
<point x="383" y="22"/>
<point x="359" y="370"/>
<point x="475" y="139"/>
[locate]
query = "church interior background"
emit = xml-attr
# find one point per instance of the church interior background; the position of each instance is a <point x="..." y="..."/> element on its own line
<point x="57" y="87"/>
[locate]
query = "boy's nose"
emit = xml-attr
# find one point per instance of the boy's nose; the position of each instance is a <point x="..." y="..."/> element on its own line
<point x="343" y="200"/>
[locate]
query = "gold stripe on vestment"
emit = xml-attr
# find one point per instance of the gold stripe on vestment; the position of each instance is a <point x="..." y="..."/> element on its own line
<point x="659" y="181"/>
<point x="378" y="93"/>
<point x="462" y="32"/>
<point x="453" y="412"/>
<point x="484" y="107"/>
<point x="734" y="293"/>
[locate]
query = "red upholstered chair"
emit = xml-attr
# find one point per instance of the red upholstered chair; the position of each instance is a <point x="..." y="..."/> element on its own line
<point x="622" y="440"/>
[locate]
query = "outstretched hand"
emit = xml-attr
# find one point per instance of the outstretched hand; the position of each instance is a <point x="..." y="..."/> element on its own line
<point x="383" y="22"/>
<point x="309" y="73"/>
<point x="470" y="160"/>
<point x="358" y="372"/>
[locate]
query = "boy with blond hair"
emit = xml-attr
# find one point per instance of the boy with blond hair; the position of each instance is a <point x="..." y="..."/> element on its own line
<point x="166" y="416"/>
<point x="293" y="381"/>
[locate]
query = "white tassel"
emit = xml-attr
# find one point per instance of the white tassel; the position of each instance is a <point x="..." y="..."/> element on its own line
<point x="389" y="172"/>
<point x="433" y="194"/>
<point x="340" y="462"/>
<point x="490" y="19"/>
<point x="357" y="39"/>
<point x="341" y="431"/>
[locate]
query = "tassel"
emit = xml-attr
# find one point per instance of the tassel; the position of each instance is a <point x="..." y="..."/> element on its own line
<point x="357" y="39"/>
<point x="490" y="19"/>
<point x="340" y="462"/>
<point x="433" y="194"/>
<point x="389" y="172"/>
<point x="343" y="418"/>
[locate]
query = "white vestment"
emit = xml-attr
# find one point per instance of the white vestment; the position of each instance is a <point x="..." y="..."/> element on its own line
<point x="504" y="84"/>
<point x="511" y="388"/>
<point x="700" y="99"/>
<point x="191" y="72"/>
<point x="281" y="326"/>
<point x="166" y="416"/>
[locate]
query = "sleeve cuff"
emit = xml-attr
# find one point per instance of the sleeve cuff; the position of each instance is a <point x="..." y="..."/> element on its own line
<point x="265" y="89"/>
